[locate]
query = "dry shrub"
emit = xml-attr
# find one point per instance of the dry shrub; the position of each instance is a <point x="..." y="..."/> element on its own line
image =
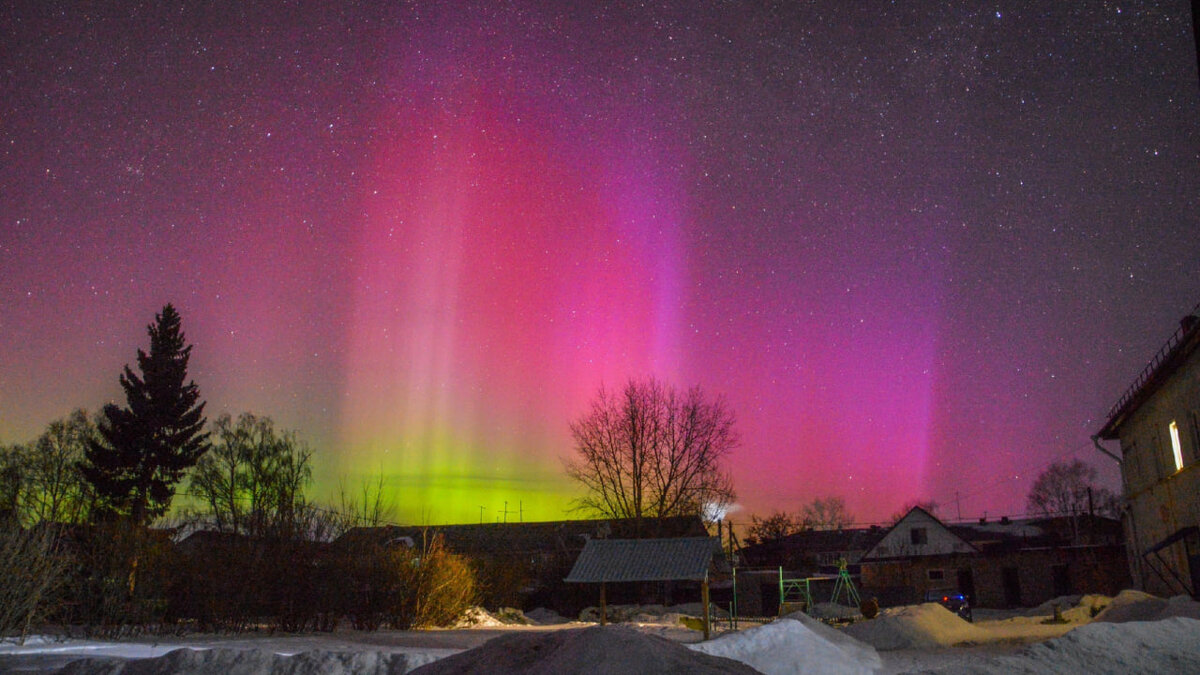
<point x="32" y="574"/>
<point x="439" y="586"/>
<point x="405" y="587"/>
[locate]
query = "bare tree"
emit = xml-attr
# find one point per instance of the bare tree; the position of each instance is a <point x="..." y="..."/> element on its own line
<point x="652" y="451"/>
<point x="254" y="477"/>
<point x="365" y="507"/>
<point x="57" y="491"/>
<point x="1069" y="489"/>
<point x="826" y="514"/>
<point x="775" y="526"/>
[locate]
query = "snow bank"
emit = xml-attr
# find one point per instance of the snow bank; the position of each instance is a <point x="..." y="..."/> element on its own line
<point x="831" y="610"/>
<point x="794" y="645"/>
<point x="1130" y="605"/>
<point x="916" y="627"/>
<point x="599" y="649"/>
<point x="253" y="662"/>
<point x="477" y="617"/>
<point x="649" y="613"/>
<point x="546" y="617"/>
<point x="1168" y="646"/>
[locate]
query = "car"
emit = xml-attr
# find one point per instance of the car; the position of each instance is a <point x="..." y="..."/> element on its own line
<point x="952" y="600"/>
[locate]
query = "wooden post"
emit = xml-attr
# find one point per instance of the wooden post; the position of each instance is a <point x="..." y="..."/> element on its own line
<point x="704" y="599"/>
<point x="603" y="607"/>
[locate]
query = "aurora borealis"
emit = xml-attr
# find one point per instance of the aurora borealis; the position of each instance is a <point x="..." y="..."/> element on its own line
<point x="920" y="250"/>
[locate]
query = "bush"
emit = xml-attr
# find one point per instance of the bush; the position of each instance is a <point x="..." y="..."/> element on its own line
<point x="122" y="577"/>
<point x="32" y="574"/>
<point x="404" y="587"/>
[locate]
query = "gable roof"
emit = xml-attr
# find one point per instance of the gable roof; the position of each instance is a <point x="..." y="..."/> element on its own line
<point x="896" y="543"/>
<point x="1170" y="357"/>
<point x="604" y="560"/>
<point x="517" y="538"/>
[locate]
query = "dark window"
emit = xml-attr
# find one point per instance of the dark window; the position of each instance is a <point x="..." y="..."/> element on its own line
<point x="917" y="535"/>
<point x="937" y="575"/>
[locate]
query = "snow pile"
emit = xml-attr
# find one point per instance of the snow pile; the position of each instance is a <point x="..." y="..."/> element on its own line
<point x="546" y="617"/>
<point x="916" y="627"/>
<point x="831" y="610"/>
<point x="1130" y="605"/>
<point x="794" y="645"/>
<point x="649" y="613"/>
<point x="1167" y="646"/>
<point x="477" y="617"/>
<point x="252" y="662"/>
<point x="599" y="649"/>
<point x="513" y="616"/>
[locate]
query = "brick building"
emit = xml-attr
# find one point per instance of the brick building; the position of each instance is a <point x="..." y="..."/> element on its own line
<point x="1157" y="422"/>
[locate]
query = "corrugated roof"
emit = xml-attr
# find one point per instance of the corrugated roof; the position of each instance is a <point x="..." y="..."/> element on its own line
<point x="644" y="560"/>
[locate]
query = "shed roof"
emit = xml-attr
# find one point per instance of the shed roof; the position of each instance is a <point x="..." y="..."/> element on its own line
<point x="680" y="559"/>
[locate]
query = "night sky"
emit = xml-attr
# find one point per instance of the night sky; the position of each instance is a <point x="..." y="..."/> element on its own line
<point x="919" y="247"/>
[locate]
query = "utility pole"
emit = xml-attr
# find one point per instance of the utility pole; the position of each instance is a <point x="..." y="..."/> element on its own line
<point x="480" y="515"/>
<point x="506" y="511"/>
<point x="958" y="506"/>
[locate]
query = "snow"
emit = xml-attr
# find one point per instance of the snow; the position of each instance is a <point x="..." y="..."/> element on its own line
<point x="477" y="617"/>
<point x="1132" y="632"/>
<point x="599" y="649"/>
<point x="1168" y="646"/>
<point x="1132" y="605"/>
<point x="794" y="645"/>
<point x="252" y="662"/>
<point x="916" y="627"/>
<point x="546" y="617"/>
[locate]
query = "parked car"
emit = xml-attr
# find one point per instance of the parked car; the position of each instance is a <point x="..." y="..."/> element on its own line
<point x="952" y="600"/>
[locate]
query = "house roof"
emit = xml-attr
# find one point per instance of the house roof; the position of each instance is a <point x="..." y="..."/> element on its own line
<point x="1177" y="350"/>
<point x="510" y="538"/>
<point x="608" y="560"/>
<point x="883" y="549"/>
<point x="1038" y="532"/>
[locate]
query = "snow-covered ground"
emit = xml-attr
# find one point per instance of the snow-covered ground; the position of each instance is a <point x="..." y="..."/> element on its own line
<point x="1133" y="632"/>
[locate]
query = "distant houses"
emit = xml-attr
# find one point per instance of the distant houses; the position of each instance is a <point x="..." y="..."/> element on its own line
<point x="1157" y="422"/>
<point x="1006" y="563"/>
<point x="524" y="564"/>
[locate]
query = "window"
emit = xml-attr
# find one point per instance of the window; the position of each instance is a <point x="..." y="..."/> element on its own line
<point x="917" y="535"/>
<point x="1175" y="447"/>
<point x="937" y="575"/>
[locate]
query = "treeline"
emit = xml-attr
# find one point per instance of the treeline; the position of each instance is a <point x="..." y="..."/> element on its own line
<point x="85" y="540"/>
<point x="254" y="553"/>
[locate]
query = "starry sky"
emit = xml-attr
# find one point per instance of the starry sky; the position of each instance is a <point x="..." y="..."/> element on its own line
<point x="920" y="248"/>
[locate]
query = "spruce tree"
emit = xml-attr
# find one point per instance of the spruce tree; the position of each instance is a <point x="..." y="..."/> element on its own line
<point x="145" y="448"/>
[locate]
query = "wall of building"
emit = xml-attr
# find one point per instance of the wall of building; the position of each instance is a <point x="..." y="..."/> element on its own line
<point x="1036" y="575"/>
<point x="1160" y="499"/>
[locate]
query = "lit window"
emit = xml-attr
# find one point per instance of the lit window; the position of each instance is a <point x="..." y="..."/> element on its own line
<point x="1175" y="448"/>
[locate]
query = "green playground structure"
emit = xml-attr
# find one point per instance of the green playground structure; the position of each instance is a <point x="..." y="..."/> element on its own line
<point x="796" y="594"/>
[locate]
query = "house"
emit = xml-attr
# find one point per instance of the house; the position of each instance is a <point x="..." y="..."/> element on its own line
<point x="1010" y="563"/>
<point x="810" y="554"/>
<point x="524" y="564"/>
<point x="811" y="550"/>
<point x="1157" y="422"/>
